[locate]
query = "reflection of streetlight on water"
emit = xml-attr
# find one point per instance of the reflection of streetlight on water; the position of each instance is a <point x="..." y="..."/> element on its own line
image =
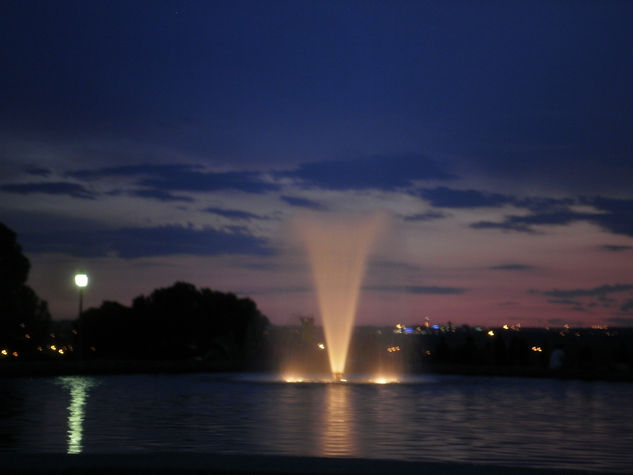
<point x="79" y="388"/>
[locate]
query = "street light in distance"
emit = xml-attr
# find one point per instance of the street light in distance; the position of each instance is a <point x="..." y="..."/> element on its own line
<point x="81" y="281"/>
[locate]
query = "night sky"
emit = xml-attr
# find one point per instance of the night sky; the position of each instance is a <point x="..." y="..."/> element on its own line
<point x="150" y="142"/>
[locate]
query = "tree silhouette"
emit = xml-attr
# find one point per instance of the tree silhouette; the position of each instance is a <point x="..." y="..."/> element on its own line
<point x="24" y="317"/>
<point x="109" y="328"/>
<point x="176" y="322"/>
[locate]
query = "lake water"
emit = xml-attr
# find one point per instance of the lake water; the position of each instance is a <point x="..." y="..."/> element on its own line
<point x="501" y="421"/>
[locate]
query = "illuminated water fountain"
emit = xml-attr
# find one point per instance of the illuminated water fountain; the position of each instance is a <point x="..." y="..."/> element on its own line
<point x="338" y="250"/>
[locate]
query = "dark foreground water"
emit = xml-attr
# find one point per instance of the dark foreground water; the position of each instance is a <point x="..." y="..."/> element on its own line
<point x="500" y="421"/>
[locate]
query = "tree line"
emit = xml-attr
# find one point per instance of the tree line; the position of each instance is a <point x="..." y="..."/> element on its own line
<point x="176" y="322"/>
<point x="24" y="318"/>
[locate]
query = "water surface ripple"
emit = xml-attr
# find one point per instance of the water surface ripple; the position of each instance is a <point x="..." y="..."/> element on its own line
<point x="501" y="421"/>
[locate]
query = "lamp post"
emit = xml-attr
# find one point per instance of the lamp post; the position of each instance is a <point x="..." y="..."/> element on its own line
<point x="81" y="281"/>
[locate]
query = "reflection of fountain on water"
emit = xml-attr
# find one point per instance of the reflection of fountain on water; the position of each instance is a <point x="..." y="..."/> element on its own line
<point x="338" y="250"/>
<point x="339" y="437"/>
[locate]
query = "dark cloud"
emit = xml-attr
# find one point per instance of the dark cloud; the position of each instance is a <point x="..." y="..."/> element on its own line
<point x="74" y="190"/>
<point x="38" y="171"/>
<point x="525" y="223"/>
<point x="506" y="225"/>
<point x="168" y="240"/>
<point x="627" y="305"/>
<point x="302" y="203"/>
<point x="376" y="172"/>
<point x="428" y="216"/>
<point x="42" y="223"/>
<point x="443" y="197"/>
<point x="84" y="240"/>
<point x="160" y="195"/>
<point x="566" y="302"/>
<point x="146" y="242"/>
<point x="417" y="289"/>
<point x="615" y="216"/>
<point x="247" y="182"/>
<point x="538" y="204"/>
<point x="615" y="248"/>
<point x="545" y="211"/>
<point x="233" y="213"/>
<point x="600" y="292"/>
<point x="175" y="177"/>
<point x="132" y="171"/>
<point x="519" y="267"/>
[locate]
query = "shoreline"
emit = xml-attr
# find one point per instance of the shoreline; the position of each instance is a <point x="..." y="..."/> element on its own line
<point x="114" y="367"/>
<point x="197" y="463"/>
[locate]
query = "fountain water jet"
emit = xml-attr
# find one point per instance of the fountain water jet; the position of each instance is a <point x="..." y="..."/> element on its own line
<point x="338" y="250"/>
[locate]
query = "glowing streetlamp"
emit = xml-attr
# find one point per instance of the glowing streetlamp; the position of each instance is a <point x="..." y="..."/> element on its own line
<point x="81" y="281"/>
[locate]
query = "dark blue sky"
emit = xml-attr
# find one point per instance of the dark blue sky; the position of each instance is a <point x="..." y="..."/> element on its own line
<point x="496" y="134"/>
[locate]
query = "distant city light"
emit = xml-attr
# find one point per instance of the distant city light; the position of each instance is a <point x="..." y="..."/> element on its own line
<point x="491" y="333"/>
<point x="537" y="349"/>
<point x="321" y="346"/>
